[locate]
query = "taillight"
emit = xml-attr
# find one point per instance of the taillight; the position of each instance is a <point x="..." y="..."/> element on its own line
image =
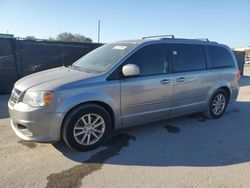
<point x="238" y="75"/>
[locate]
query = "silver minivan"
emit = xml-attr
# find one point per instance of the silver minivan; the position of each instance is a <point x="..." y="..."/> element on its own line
<point x="124" y="84"/>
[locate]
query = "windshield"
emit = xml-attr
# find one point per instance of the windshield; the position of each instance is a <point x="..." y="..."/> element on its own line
<point x="102" y="58"/>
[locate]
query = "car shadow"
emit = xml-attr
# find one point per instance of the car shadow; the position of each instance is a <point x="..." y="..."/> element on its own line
<point x="185" y="141"/>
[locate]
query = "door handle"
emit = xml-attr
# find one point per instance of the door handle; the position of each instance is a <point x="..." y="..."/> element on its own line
<point x="181" y="79"/>
<point x="165" y="81"/>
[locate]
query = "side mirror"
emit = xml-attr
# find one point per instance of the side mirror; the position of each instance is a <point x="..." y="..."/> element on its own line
<point x="130" y="70"/>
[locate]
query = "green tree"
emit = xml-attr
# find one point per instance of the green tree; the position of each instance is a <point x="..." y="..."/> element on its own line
<point x="51" y="38"/>
<point x="69" y="37"/>
<point x="30" y="38"/>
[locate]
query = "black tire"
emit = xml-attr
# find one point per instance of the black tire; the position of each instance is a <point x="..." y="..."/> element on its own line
<point x="74" y="116"/>
<point x="209" y="112"/>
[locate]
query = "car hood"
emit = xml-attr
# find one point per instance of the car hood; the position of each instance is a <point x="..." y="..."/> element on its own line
<point x="51" y="79"/>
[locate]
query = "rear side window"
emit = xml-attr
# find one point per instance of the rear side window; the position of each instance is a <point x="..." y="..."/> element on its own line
<point x="220" y="57"/>
<point x="188" y="57"/>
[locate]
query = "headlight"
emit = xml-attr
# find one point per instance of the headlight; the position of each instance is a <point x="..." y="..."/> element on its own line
<point x="37" y="98"/>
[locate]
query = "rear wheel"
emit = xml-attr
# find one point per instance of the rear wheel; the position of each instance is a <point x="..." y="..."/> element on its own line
<point x="217" y="105"/>
<point x="86" y="127"/>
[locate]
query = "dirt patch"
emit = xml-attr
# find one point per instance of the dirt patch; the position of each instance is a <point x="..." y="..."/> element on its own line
<point x="233" y="110"/>
<point x="28" y="144"/>
<point x="203" y="119"/>
<point x="198" y="116"/>
<point x="172" y="129"/>
<point x="73" y="176"/>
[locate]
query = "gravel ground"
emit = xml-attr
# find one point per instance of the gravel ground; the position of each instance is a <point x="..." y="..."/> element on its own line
<point x="188" y="151"/>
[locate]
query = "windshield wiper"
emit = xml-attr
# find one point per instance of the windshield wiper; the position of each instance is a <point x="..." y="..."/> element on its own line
<point x="74" y="67"/>
<point x="79" y="68"/>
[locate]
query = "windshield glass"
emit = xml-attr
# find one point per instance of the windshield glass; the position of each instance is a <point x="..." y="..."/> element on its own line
<point x="102" y="58"/>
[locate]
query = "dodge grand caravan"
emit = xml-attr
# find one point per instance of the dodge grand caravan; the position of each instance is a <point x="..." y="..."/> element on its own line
<point x="124" y="84"/>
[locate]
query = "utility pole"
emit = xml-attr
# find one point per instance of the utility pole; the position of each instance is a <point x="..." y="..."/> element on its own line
<point x="99" y="28"/>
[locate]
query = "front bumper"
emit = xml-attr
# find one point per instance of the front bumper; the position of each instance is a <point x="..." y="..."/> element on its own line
<point x="35" y="124"/>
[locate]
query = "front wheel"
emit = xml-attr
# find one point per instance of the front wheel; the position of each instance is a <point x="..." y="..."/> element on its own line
<point x="217" y="105"/>
<point x="86" y="127"/>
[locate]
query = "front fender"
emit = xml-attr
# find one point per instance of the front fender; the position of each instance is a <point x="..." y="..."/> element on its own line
<point x="67" y="103"/>
<point x="74" y="100"/>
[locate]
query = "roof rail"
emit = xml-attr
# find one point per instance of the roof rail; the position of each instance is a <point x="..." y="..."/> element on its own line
<point x="159" y="36"/>
<point x="203" y="39"/>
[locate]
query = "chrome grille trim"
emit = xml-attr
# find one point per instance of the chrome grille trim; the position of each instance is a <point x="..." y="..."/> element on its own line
<point x="15" y="94"/>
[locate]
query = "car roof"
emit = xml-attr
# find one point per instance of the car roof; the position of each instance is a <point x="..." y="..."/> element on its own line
<point x="145" y="40"/>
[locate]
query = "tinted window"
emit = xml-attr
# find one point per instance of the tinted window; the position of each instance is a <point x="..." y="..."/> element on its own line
<point x="220" y="57"/>
<point x="188" y="57"/>
<point x="150" y="59"/>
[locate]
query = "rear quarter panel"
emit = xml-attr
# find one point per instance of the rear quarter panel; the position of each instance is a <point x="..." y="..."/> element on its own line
<point x="224" y="77"/>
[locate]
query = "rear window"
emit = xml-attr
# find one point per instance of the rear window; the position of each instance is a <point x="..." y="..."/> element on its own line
<point x="220" y="57"/>
<point x="188" y="57"/>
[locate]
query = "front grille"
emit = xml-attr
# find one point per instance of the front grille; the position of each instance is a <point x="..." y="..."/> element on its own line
<point x="15" y="94"/>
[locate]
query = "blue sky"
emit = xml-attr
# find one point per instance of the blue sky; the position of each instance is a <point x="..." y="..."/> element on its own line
<point x="225" y="21"/>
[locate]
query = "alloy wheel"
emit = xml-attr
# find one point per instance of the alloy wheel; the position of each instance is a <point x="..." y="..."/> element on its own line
<point x="218" y="104"/>
<point x="89" y="129"/>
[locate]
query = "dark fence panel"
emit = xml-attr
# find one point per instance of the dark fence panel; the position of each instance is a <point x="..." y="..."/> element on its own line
<point x="41" y="55"/>
<point x="8" y="69"/>
<point x="240" y="57"/>
<point x="19" y="58"/>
